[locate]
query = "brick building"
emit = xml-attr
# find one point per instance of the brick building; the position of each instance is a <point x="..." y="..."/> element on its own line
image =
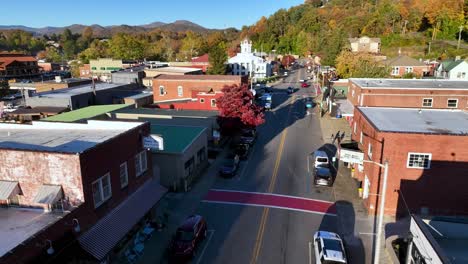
<point x="196" y="92"/>
<point x="18" y="66"/>
<point x="64" y="191"/>
<point x="403" y="64"/>
<point x="85" y="71"/>
<point x="427" y="155"/>
<point x="421" y="93"/>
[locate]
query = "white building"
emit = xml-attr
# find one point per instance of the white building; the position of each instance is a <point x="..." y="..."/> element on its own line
<point x="246" y="63"/>
<point x="453" y="70"/>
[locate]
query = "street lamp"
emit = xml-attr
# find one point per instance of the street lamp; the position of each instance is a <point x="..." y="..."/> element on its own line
<point x="381" y="209"/>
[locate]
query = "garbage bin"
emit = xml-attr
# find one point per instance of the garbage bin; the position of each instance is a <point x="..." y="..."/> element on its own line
<point x="338" y="114"/>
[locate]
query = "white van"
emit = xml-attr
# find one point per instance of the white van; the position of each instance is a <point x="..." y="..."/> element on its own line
<point x="320" y="159"/>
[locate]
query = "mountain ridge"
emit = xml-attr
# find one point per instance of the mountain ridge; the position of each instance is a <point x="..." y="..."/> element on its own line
<point x="176" y="26"/>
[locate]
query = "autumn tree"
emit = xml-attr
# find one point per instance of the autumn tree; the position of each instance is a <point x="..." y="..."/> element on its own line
<point x="218" y="59"/>
<point x="359" y="65"/>
<point x="287" y="60"/>
<point x="127" y="47"/>
<point x="236" y="106"/>
<point x="191" y="45"/>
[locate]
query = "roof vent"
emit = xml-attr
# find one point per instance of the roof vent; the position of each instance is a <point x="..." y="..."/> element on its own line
<point x="419" y="111"/>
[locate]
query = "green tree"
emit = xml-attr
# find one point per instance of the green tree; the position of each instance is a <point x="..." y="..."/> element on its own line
<point x="192" y="45"/>
<point x="218" y="58"/>
<point x="359" y="65"/>
<point x="125" y="46"/>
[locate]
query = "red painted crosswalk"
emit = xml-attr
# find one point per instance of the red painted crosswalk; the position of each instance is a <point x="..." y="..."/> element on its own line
<point x="270" y="200"/>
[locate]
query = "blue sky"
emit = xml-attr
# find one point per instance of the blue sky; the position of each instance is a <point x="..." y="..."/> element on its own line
<point x="207" y="13"/>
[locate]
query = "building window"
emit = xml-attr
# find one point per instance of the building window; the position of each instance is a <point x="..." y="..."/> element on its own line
<point x="355" y="123"/>
<point x="162" y="91"/>
<point x="101" y="190"/>
<point x="201" y="155"/>
<point x="93" y="68"/>
<point x="123" y="175"/>
<point x="463" y="75"/>
<point x="360" y="138"/>
<point x="352" y="93"/>
<point x="369" y="150"/>
<point x="140" y="163"/>
<point x="408" y="69"/>
<point x="452" y="103"/>
<point x="180" y="91"/>
<point x="427" y="102"/>
<point x="396" y="71"/>
<point x="419" y="160"/>
<point x="213" y="102"/>
<point x="103" y="68"/>
<point x="189" y="166"/>
<point x="202" y="100"/>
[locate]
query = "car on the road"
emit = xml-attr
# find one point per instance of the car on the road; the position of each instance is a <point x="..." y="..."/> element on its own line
<point x="248" y="136"/>
<point x="229" y="166"/>
<point x="290" y="90"/>
<point x="187" y="237"/>
<point x="309" y="102"/>
<point x="285" y="73"/>
<point x="329" y="248"/>
<point x="323" y="176"/>
<point x="243" y="150"/>
<point x="304" y="85"/>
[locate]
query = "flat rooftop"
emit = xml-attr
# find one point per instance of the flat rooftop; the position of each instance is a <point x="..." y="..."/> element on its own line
<point x="17" y="225"/>
<point x="409" y="83"/>
<point x="168" y="112"/>
<point x="224" y="78"/>
<point x="85" y="113"/>
<point x="173" y="69"/>
<point x="81" y="89"/>
<point x="60" y="137"/>
<point x="176" y="138"/>
<point x="412" y="120"/>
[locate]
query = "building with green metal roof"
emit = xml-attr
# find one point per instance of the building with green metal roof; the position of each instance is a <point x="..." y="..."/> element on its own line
<point x="453" y="70"/>
<point x="90" y="112"/>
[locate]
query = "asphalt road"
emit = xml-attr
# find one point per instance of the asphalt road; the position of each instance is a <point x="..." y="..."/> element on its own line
<point x="244" y="231"/>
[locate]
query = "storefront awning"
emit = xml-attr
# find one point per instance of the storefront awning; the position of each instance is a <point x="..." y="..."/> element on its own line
<point x="49" y="194"/>
<point x="7" y="189"/>
<point x="108" y="231"/>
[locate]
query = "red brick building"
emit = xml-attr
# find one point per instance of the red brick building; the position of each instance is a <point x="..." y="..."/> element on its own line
<point x="420" y="93"/>
<point x="401" y="65"/>
<point x="85" y="71"/>
<point x="61" y="180"/>
<point x="195" y="92"/>
<point x="427" y="155"/>
<point x="201" y="62"/>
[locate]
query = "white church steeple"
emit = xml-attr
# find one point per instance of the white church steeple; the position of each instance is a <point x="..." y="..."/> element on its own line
<point x="246" y="46"/>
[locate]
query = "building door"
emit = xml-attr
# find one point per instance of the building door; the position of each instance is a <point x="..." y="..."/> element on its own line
<point x="366" y="188"/>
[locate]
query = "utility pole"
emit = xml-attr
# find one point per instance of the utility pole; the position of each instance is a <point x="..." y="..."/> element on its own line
<point x="381" y="214"/>
<point x="429" y="49"/>
<point x="459" y="37"/>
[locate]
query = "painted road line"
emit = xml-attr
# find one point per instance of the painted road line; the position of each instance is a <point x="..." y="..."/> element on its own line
<point x="271" y="200"/>
<point x="259" y="240"/>
<point x="271" y="194"/>
<point x="211" y="232"/>
<point x="368" y="234"/>
<point x="310" y="252"/>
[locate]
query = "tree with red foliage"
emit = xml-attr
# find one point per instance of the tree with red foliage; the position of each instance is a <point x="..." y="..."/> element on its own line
<point x="287" y="60"/>
<point x="236" y="108"/>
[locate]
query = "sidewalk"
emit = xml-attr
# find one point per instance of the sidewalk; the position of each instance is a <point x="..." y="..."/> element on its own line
<point x="178" y="206"/>
<point x="355" y="225"/>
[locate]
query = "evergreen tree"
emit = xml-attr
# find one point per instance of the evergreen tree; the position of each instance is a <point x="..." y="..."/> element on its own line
<point x="218" y="59"/>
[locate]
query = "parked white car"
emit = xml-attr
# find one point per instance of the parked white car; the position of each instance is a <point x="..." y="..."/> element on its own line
<point x="329" y="248"/>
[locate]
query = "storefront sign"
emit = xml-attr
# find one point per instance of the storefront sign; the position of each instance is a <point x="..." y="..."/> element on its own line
<point x="351" y="156"/>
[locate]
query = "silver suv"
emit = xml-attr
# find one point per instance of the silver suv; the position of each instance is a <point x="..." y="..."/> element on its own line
<point x="329" y="248"/>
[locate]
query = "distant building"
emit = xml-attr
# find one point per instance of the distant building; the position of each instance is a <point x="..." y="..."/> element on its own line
<point x="18" y="66"/>
<point x="202" y="62"/>
<point x="171" y="70"/>
<point x="49" y="66"/>
<point x="452" y="70"/>
<point x="63" y="193"/>
<point x="84" y="95"/>
<point x="365" y="44"/>
<point x="129" y="75"/>
<point x="246" y="63"/>
<point x="103" y="67"/>
<point x="427" y="156"/>
<point x="85" y="71"/>
<point x="196" y="92"/>
<point x="45" y="86"/>
<point x="402" y="65"/>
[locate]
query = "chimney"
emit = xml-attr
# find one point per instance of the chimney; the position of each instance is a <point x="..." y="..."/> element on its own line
<point x="457" y="58"/>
